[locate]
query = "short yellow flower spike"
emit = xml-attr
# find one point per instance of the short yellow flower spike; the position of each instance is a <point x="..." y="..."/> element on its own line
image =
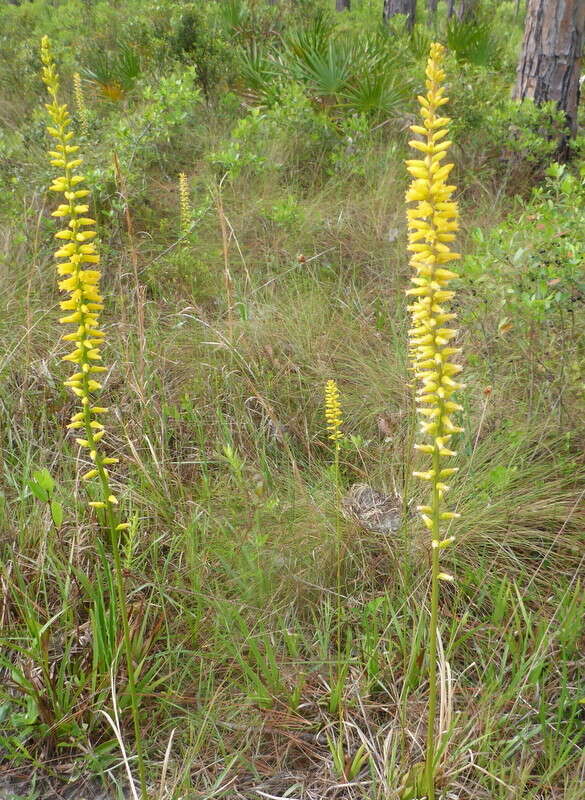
<point x="333" y="413"/>
<point x="432" y="223"/>
<point x="77" y="258"/>
<point x="80" y="103"/>
<point x="184" y="203"/>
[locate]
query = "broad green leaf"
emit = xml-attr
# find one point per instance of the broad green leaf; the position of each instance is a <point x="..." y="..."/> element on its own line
<point x="43" y="478"/>
<point x="57" y="513"/>
<point x="38" y="491"/>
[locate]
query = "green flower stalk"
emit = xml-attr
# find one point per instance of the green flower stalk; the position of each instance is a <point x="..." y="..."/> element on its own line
<point x="432" y="224"/>
<point x="77" y="258"/>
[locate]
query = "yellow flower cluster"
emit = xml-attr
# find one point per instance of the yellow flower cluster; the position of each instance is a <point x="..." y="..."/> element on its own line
<point x="333" y="411"/>
<point x="76" y="257"/>
<point x="80" y="103"/>
<point x="432" y="223"/>
<point x="184" y="203"/>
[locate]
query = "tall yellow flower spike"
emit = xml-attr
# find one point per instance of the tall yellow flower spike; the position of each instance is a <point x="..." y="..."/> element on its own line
<point x="184" y="203"/>
<point x="76" y="257"/>
<point x="333" y="413"/>
<point x="432" y="224"/>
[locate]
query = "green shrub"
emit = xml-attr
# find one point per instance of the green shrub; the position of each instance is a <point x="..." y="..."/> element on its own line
<point x="497" y="134"/>
<point x="290" y="136"/>
<point x="530" y="270"/>
<point x="198" y="39"/>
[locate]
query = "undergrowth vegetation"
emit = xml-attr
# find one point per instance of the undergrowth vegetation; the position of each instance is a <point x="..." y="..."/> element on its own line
<point x="246" y="168"/>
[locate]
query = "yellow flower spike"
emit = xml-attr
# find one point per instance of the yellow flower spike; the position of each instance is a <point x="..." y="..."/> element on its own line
<point x="184" y="203"/>
<point x="432" y="222"/>
<point x="333" y="413"/>
<point x="85" y="303"/>
<point x="80" y="282"/>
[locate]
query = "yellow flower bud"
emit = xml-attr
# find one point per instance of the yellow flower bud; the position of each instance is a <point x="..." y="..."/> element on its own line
<point x="88" y="475"/>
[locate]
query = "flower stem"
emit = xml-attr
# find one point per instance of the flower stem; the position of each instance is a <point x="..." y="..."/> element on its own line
<point x="433" y="633"/>
<point x="112" y="522"/>
<point x="115" y="538"/>
<point x="338" y="545"/>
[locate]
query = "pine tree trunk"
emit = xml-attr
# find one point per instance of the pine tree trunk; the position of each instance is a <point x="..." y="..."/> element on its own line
<point x="342" y="5"/>
<point x="407" y="7"/>
<point x="450" y="8"/>
<point x="466" y="10"/>
<point x="432" y="6"/>
<point x="550" y="63"/>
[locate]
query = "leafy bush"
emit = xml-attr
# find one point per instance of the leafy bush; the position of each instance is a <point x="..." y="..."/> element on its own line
<point x="496" y="132"/>
<point x="166" y="108"/>
<point x="198" y="39"/>
<point x="531" y="268"/>
<point x="297" y="133"/>
<point x="349" y="156"/>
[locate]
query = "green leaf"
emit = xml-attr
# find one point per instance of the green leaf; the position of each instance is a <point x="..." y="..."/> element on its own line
<point x="43" y="478"/>
<point x="25" y="718"/>
<point x="57" y="513"/>
<point x="38" y="491"/>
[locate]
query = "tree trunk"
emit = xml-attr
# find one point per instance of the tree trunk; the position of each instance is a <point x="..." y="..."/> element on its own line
<point x="342" y="5"/>
<point x="450" y="8"/>
<point x="466" y="10"/>
<point x="550" y="63"/>
<point x="394" y="7"/>
<point x="432" y="7"/>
